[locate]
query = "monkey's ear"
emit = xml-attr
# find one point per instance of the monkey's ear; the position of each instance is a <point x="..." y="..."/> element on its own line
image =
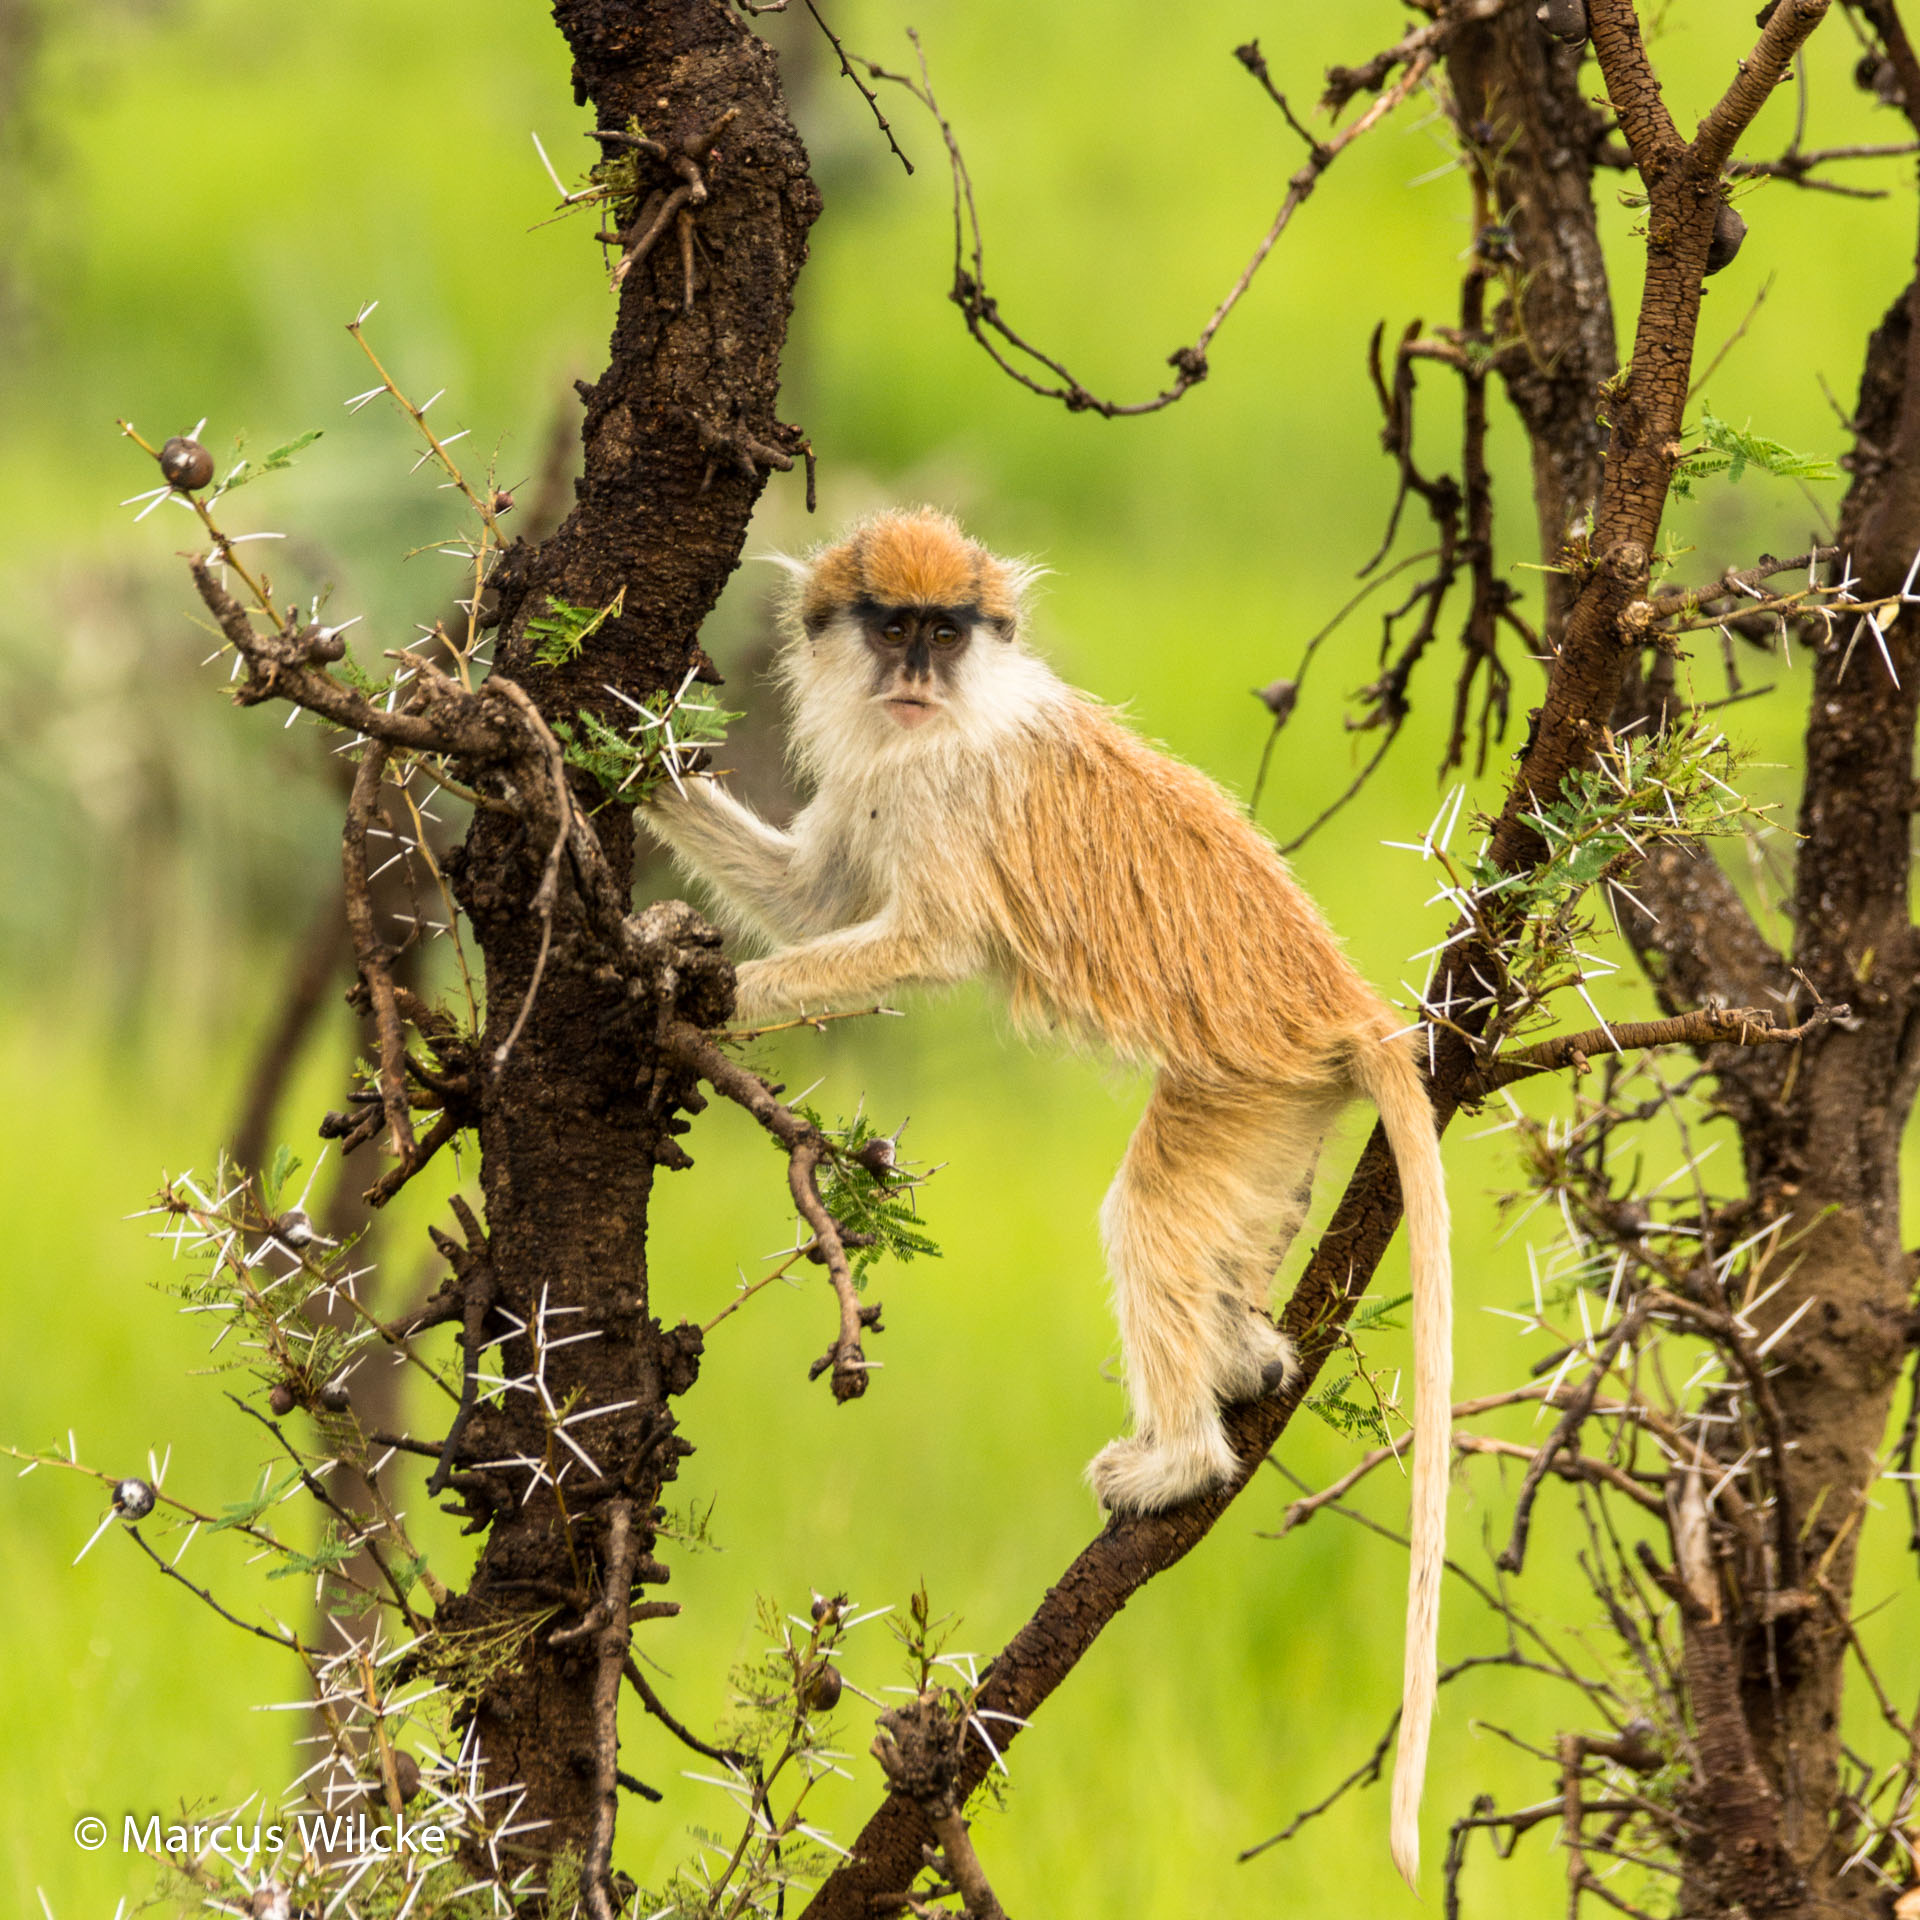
<point x="797" y="597"/>
<point x="1009" y="588"/>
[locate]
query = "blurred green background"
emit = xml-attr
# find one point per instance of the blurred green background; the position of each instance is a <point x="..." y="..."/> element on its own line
<point x="198" y="194"/>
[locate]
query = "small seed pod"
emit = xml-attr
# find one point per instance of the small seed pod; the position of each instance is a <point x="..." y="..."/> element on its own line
<point x="281" y="1400"/>
<point x="132" y="1499"/>
<point x="500" y="501"/>
<point x="1278" y="696"/>
<point x="333" y="1396"/>
<point x="1729" y="230"/>
<point x="186" y="463"/>
<point x="1494" y="244"/>
<point x="1881" y="78"/>
<point x="877" y="1156"/>
<point x="821" y="1690"/>
<point x="1564" y="19"/>
<point x="297" y="1230"/>
<point x="406" y="1774"/>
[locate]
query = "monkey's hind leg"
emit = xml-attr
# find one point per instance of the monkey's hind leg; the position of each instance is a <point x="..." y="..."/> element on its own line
<point x="1189" y="1227"/>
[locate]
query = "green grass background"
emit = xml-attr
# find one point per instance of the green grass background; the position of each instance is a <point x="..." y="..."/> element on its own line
<point x="198" y="195"/>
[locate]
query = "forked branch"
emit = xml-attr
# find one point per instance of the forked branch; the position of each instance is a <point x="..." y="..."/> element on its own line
<point x="805" y="1150"/>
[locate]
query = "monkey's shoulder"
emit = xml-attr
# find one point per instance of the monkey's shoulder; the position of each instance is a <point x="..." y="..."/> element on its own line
<point x="1112" y="782"/>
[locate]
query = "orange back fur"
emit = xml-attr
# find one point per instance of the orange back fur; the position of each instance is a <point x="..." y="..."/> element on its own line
<point x="1196" y="950"/>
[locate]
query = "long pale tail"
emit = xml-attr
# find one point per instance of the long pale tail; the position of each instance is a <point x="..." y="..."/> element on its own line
<point x="1392" y="1082"/>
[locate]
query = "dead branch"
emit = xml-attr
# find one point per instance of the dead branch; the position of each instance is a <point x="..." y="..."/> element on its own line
<point x="1736" y="583"/>
<point x="727" y="1756"/>
<point x="663" y="207"/>
<point x="438" y="717"/>
<point x="473" y="1274"/>
<point x="1368" y="1772"/>
<point x="1461" y="512"/>
<point x="866" y="92"/>
<point x="981" y="310"/>
<point x="200" y="1593"/>
<point x="805" y="1150"/>
<point x="1568" y="1466"/>
<point x="1565" y="1436"/>
<point x="616" y="1583"/>
<point x="1798" y="167"/>
<point x="1705" y="1026"/>
<point x="372" y="955"/>
<point x="1724" y="1330"/>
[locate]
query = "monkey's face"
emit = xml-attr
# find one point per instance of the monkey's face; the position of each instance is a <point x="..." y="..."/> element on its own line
<point x="916" y="654"/>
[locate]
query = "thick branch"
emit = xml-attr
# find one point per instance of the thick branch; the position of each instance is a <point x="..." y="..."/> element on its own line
<point x="1753" y="83"/>
<point x="1631" y="85"/>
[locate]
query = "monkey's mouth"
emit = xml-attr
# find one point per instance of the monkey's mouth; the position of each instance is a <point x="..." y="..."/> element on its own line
<point x="911" y="711"/>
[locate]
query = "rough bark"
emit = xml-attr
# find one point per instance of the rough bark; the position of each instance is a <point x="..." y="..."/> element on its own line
<point x="1827" y="1151"/>
<point x="1531" y="128"/>
<point x="575" y="1122"/>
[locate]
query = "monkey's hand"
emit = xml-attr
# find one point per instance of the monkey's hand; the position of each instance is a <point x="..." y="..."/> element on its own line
<point x="851" y="964"/>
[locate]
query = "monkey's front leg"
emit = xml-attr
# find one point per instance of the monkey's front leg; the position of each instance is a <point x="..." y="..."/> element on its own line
<point x="748" y="863"/>
<point x="853" y="963"/>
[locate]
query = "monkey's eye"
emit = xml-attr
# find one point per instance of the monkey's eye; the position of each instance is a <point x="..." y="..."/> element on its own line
<point x="895" y="630"/>
<point x="945" y="636"/>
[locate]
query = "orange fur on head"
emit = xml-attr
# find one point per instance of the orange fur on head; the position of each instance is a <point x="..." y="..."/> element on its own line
<point x="914" y="559"/>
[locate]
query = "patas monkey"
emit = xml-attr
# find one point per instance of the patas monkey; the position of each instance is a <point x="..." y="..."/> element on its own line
<point x="971" y="813"/>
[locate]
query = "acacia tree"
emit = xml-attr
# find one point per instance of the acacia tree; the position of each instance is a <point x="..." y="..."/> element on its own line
<point x="1722" y="1516"/>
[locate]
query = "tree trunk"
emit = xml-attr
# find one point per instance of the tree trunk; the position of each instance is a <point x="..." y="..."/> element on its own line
<point x="574" y="1124"/>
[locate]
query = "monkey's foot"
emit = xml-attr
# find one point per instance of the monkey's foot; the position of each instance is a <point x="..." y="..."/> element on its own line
<point x="1264" y="1361"/>
<point x="1144" y="1476"/>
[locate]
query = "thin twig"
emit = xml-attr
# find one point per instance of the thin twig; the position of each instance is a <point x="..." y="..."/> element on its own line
<point x="1564" y="1437"/>
<point x="727" y="1756"/>
<point x="616" y="1583"/>
<point x="982" y="312"/>
<point x="1703" y="1027"/>
<point x="1734" y="338"/>
<point x="173" y="1573"/>
<point x="866" y="92"/>
<point x="805" y="1150"/>
<point x="372" y="954"/>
